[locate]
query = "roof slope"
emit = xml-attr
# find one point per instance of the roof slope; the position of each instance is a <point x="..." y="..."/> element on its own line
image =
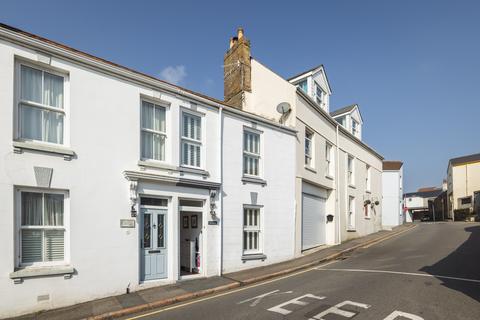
<point x="424" y="194"/>
<point x="392" y="165"/>
<point x="306" y="71"/>
<point x="465" y="159"/>
<point x="343" y="110"/>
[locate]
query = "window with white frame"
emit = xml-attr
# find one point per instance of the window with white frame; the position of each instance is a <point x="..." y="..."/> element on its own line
<point x="308" y="147"/>
<point x="351" y="213"/>
<point x="368" y="210"/>
<point x="329" y="160"/>
<point x="251" y="153"/>
<point x="251" y="230"/>
<point x="354" y="127"/>
<point x="41" y="105"/>
<point x="303" y="85"/>
<point x="319" y="94"/>
<point x="42" y="227"/>
<point x="191" y="139"/>
<point x="153" y="131"/>
<point x="350" y="170"/>
<point x="368" y="178"/>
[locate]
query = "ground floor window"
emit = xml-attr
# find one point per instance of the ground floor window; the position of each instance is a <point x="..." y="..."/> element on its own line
<point x="42" y="227"/>
<point x="351" y="213"/>
<point x="251" y="230"/>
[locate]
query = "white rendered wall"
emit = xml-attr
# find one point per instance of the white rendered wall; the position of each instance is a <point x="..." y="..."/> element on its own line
<point x="104" y="120"/>
<point x="391" y="207"/>
<point x="276" y="197"/>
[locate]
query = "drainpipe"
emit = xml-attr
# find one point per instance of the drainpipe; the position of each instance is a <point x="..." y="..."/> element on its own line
<point x="337" y="176"/>
<point x="220" y="192"/>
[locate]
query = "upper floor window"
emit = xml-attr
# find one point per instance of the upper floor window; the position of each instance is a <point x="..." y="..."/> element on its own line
<point x="153" y="131"/>
<point x="354" y="128"/>
<point x="308" y="147"/>
<point x="41" y="112"/>
<point x="368" y="178"/>
<point x="319" y="94"/>
<point x="303" y="85"/>
<point x="191" y="139"/>
<point x="42" y="227"/>
<point x="329" y="160"/>
<point x="350" y="170"/>
<point x="251" y="153"/>
<point x="341" y="120"/>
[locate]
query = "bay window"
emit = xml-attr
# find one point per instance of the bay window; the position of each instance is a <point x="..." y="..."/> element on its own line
<point x="153" y="131"/>
<point x="251" y="153"/>
<point x="41" y="105"/>
<point x="191" y="139"/>
<point x="42" y="227"/>
<point x="251" y="230"/>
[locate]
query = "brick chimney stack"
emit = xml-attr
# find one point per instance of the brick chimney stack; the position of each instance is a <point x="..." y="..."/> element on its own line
<point x="237" y="70"/>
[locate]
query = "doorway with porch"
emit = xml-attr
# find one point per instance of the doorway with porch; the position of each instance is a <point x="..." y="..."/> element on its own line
<point x="191" y="237"/>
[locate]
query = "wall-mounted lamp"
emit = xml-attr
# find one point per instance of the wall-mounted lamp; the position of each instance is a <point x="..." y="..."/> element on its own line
<point x="133" y="211"/>
<point x="133" y="198"/>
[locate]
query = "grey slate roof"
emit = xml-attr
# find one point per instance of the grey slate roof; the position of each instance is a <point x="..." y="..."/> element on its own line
<point x="309" y="70"/>
<point x="343" y="110"/>
<point x="424" y="194"/>
<point x="465" y="159"/>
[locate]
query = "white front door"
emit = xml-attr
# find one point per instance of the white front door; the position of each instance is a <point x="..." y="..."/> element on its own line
<point x="153" y="243"/>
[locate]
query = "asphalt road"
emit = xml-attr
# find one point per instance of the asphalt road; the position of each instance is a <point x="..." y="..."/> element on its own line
<point x="430" y="272"/>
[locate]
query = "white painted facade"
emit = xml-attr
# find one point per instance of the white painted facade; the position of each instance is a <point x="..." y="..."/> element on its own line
<point x="313" y="122"/>
<point x="392" y="205"/>
<point x="103" y="177"/>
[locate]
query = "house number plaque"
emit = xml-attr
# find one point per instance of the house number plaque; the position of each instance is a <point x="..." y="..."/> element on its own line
<point x="127" y="223"/>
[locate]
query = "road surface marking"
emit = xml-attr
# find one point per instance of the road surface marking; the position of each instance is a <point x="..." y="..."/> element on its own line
<point x="402" y="273"/>
<point x="396" y="314"/>
<point x="226" y="293"/>
<point x="279" y="308"/>
<point x="336" y="310"/>
<point x="386" y="238"/>
<point x="257" y="299"/>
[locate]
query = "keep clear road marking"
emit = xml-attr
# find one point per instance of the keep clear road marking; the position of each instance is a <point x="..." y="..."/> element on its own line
<point x="279" y="308"/>
<point x="226" y="293"/>
<point x="400" y="273"/>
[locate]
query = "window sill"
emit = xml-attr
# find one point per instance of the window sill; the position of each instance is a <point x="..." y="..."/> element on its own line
<point x="352" y="186"/>
<point x="310" y="169"/>
<point x="368" y="191"/>
<point x="21" y="273"/>
<point x="256" y="256"/>
<point x="329" y="177"/>
<point x="20" y="146"/>
<point x="184" y="169"/>
<point x="351" y="230"/>
<point x="367" y="218"/>
<point x="246" y="179"/>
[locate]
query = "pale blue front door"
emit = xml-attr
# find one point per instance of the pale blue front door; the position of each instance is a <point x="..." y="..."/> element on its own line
<point x="153" y="243"/>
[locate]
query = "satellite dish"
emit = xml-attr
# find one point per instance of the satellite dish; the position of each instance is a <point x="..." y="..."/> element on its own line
<point x="283" y="107"/>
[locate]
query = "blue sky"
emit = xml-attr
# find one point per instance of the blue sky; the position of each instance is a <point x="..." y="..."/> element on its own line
<point x="412" y="66"/>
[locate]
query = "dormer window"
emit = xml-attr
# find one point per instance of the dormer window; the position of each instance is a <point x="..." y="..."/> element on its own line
<point x="319" y="94"/>
<point x="354" y="128"/>
<point x="303" y="85"/>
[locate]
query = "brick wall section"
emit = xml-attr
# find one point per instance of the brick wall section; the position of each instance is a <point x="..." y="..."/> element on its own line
<point x="237" y="75"/>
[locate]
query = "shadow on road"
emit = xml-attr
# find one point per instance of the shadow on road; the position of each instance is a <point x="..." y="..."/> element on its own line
<point x="461" y="263"/>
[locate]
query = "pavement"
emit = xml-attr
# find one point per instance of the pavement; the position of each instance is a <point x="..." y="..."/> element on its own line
<point x="195" y="290"/>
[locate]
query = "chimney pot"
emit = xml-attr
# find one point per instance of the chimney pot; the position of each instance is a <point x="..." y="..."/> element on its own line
<point x="240" y="33"/>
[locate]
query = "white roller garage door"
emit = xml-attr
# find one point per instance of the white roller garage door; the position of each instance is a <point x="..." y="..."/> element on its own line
<point x="313" y="221"/>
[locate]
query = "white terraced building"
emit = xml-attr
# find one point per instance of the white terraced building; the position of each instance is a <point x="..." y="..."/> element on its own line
<point x="113" y="180"/>
<point x="338" y="177"/>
